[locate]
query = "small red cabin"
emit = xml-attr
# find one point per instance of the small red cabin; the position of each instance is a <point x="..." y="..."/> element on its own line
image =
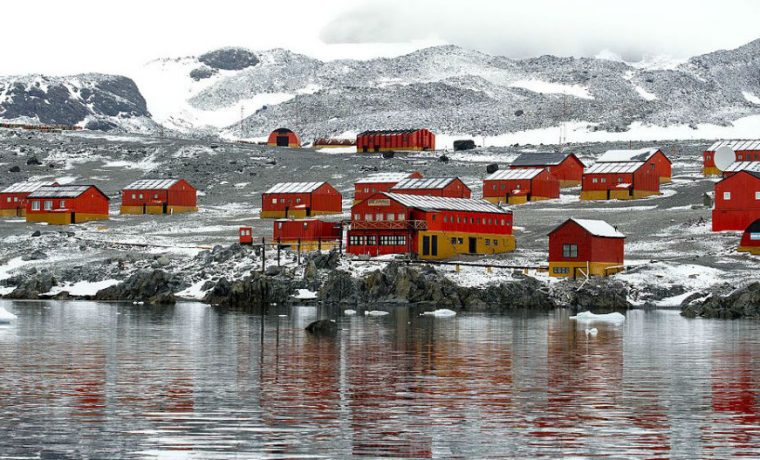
<point x="311" y="234"/>
<point x="653" y="158"/>
<point x="745" y="150"/>
<point x="750" y="241"/>
<point x="515" y="186"/>
<point x="67" y="204"/>
<point x="380" y="182"/>
<point x="428" y="227"/>
<point x="13" y="198"/>
<point x="283" y="137"/>
<point x="565" y="167"/>
<point x="451" y="187"/>
<point x="300" y="199"/>
<point x="582" y="247"/>
<point x="395" y="139"/>
<point x="737" y="201"/>
<point x="246" y="235"/>
<point x="159" y="196"/>
<point x="619" y="181"/>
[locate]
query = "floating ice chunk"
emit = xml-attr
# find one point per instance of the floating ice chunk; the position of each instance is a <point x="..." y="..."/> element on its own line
<point x="588" y="317"/>
<point x="592" y="332"/>
<point x="375" y="313"/>
<point x="6" y="317"/>
<point x="349" y="312"/>
<point x="440" y="313"/>
<point x="305" y="294"/>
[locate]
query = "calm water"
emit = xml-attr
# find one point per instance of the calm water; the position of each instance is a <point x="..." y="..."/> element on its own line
<point x="87" y="380"/>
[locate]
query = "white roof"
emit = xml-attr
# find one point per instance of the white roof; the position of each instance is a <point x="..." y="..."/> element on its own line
<point x="384" y="178"/>
<point x="736" y="145"/>
<point x="515" y="174"/>
<point x="424" y="183"/>
<point x="619" y="156"/>
<point x="615" y="168"/>
<point x="63" y="191"/>
<point x="598" y="228"/>
<point x="295" y="187"/>
<point x="151" y="184"/>
<point x="24" y="187"/>
<point x="445" y="203"/>
<point x="743" y="165"/>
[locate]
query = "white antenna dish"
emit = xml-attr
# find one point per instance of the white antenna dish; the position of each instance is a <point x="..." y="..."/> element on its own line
<point x="724" y="157"/>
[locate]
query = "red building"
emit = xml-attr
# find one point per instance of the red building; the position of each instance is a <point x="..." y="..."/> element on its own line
<point x="737" y="201"/>
<point x="67" y="204"/>
<point x="515" y="186"/>
<point x="654" y="159"/>
<point x="451" y="187"/>
<point x="380" y="182"/>
<point x="246" y="235"/>
<point x="330" y="143"/>
<point x="13" y="198"/>
<point x="428" y="227"/>
<point x="283" y="137"/>
<point x="566" y="167"/>
<point x="398" y="139"/>
<point x="739" y="166"/>
<point x="745" y="150"/>
<point x="750" y="241"/>
<point x="619" y="181"/>
<point x="582" y="247"/>
<point x="311" y="234"/>
<point x="158" y="196"/>
<point x="300" y="199"/>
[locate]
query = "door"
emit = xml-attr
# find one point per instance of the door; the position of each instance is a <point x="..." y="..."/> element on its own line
<point x="19" y="212"/>
<point x="425" y="245"/>
<point x="145" y="208"/>
<point x="166" y="208"/>
<point x="377" y="148"/>
<point x="308" y="212"/>
<point x="473" y="242"/>
<point x="365" y="149"/>
<point x="73" y="218"/>
<point x="282" y="141"/>
<point x="286" y="211"/>
<point x="434" y="246"/>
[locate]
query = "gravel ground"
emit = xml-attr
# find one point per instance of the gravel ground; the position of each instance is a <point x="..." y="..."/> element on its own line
<point x="672" y="230"/>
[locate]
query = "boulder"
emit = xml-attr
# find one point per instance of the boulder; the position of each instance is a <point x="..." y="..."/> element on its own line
<point x="464" y="144"/>
<point x="324" y="261"/>
<point x="33" y="285"/>
<point x="33" y="161"/>
<point x="600" y="295"/>
<point x="322" y="327"/>
<point x="492" y="168"/>
<point x="339" y="287"/>
<point x="156" y="287"/>
<point x="254" y="290"/>
<point x="14" y="169"/>
<point x="229" y="59"/>
<point x="443" y="159"/>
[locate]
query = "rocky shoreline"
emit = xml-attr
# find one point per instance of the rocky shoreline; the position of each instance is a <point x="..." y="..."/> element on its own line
<point x="234" y="279"/>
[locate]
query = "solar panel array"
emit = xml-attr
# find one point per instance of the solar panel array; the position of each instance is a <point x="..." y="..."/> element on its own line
<point x="515" y="174"/>
<point x="424" y="183"/>
<point x="26" y="187"/>
<point x="540" y="159"/>
<point x="614" y="168"/>
<point x="295" y="187"/>
<point x="446" y="204"/>
<point x="617" y="156"/>
<point x="64" y="191"/>
<point x="151" y="184"/>
<point x="743" y="166"/>
<point x="384" y="178"/>
<point x="736" y="145"/>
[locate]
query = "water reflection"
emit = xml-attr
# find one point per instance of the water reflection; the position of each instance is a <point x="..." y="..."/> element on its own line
<point x="83" y="380"/>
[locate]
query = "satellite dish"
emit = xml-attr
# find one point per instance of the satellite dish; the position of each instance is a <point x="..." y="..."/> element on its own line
<point x="724" y="157"/>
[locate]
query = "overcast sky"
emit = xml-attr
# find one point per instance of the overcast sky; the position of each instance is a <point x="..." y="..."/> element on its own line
<point x="58" y="37"/>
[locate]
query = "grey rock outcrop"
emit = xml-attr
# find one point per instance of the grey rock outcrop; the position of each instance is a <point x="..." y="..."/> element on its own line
<point x="156" y="287"/>
<point x="255" y="290"/>
<point x="322" y="327"/>
<point x="741" y="303"/>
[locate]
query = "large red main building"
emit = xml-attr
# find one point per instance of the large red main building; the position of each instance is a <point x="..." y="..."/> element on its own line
<point x="428" y="227"/>
<point x="380" y="182"/>
<point x="398" y="139"/>
<point x="451" y="187"/>
<point x="737" y="201"/>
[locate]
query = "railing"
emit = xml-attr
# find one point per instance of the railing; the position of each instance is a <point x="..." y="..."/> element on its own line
<point x="389" y="225"/>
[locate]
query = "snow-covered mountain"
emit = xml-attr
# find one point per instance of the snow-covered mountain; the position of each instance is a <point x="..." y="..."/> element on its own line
<point x="94" y="101"/>
<point x="449" y="89"/>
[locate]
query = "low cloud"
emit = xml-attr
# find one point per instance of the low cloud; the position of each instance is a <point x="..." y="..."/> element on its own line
<point x="632" y="30"/>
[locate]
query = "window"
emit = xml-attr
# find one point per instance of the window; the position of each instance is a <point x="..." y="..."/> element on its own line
<point x="570" y="251"/>
<point x="274" y="200"/>
<point x="433" y="217"/>
<point x="503" y="186"/>
<point x="459" y="220"/>
<point x="754" y="236"/>
<point x="740" y="157"/>
<point x="453" y="241"/>
<point x="460" y="241"/>
<point x="390" y="217"/>
<point x="62" y="204"/>
<point x="495" y="242"/>
<point x="488" y="242"/>
<point x="401" y="216"/>
<point x="594" y="180"/>
<point x="620" y="180"/>
<point x="141" y="196"/>
<point x="134" y="197"/>
<point x="707" y="157"/>
<point x="757" y="195"/>
<point x="490" y="221"/>
<point x="726" y="195"/>
<point x="561" y="270"/>
<point x="279" y="225"/>
<point x="35" y="205"/>
<point x="357" y="216"/>
<point x="371" y="240"/>
<point x="9" y="199"/>
<point x="518" y="187"/>
<point x="298" y="200"/>
<point x="472" y="220"/>
<point x="604" y="180"/>
<point x="366" y="189"/>
<point x="494" y="187"/>
<point x="155" y="196"/>
<point x="15" y="199"/>
<point x="503" y="222"/>
<point x="445" y="219"/>
<point x="48" y="205"/>
<point x="379" y="217"/>
<point x="356" y="240"/>
<point x="368" y="217"/>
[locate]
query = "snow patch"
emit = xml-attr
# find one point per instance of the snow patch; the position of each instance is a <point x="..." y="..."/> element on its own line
<point x="545" y="87"/>
<point x="750" y="97"/>
<point x="646" y="95"/>
<point x="83" y="288"/>
<point x="305" y="294"/>
<point x="588" y="317"/>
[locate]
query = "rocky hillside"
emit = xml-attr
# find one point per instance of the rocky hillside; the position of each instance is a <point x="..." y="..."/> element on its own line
<point x="454" y="90"/>
<point x="93" y="101"/>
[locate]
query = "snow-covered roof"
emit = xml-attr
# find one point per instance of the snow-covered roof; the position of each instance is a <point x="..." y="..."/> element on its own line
<point x="424" y="183"/>
<point x="151" y="184"/>
<point x="384" y="178"/>
<point x="446" y="204"/>
<point x="598" y="228"/>
<point x="388" y="131"/>
<point x="294" y="187"/>
<point x="26" y="187"/>
<point x="515" y="174"/>
<point x="614" y="168"/>
<point x="63" y="191"/>
<point x="743" y="166"/>
<point x="540" y="159"/>
<point x="620" y="156"/>
<point x="736" y="145"/>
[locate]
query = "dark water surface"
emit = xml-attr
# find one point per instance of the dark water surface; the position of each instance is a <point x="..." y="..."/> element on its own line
<point x="88" y="380"/>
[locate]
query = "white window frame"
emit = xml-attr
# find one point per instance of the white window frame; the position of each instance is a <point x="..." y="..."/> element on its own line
<point x="727" y="196"/>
